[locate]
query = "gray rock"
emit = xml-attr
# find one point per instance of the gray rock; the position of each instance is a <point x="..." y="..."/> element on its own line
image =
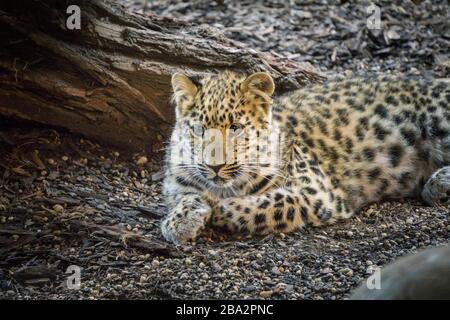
<point x="425" y="275"/>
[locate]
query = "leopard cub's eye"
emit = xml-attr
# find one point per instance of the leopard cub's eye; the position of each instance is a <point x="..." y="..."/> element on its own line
<point x="197" y="130"/>
<point x="236" y="129"/>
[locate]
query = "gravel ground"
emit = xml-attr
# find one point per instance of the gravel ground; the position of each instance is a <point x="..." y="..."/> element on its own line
<point x="65" y="200"/>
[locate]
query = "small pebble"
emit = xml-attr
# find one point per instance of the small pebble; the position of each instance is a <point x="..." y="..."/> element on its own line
<point x="346" y="271"/>
<point x="142" y="161"/>
<point x="58" y="208"/>
<point x="266" y="294"/>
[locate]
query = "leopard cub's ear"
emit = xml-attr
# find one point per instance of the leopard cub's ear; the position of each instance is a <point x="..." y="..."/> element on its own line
<point x="184" y="91"/>
<point x="261" y="81"/>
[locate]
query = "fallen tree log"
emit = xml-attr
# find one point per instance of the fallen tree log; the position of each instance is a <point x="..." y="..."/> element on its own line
<point x="110" y="79"/>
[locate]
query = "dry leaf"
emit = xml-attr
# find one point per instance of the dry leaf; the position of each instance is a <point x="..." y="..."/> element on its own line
<point x="37" y="161"/>
<point x="21" y="171"/>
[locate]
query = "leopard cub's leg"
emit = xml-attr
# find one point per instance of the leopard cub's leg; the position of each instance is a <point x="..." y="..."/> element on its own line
<point x="436" y="190"/>
<point x="186" y="219"/>
<point x="277" y="211"/>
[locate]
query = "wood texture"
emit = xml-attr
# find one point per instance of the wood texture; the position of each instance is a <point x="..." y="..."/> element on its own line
<point x="110" y="81"/>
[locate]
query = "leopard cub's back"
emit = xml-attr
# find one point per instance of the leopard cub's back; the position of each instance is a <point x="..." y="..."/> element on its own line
<point x="373" y="138"/>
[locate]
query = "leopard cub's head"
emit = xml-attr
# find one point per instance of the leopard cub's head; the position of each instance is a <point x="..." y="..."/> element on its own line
<point x="223" y="124"/>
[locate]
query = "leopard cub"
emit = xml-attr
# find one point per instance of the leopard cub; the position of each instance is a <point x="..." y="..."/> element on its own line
<point x="252" y="163"/>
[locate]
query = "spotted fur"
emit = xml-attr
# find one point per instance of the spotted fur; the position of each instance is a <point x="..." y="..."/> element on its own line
<point x="348" y="143"/>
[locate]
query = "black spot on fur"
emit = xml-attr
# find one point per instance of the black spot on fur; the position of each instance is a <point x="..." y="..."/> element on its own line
<point x="398" y="119"/>
<point x="405" y="179"/>
<point x="431" y="109"/>
<point x="380" y="132"/>
<point x="391" y="100"/>
<point x="304" y="214"/>
<point x="279" y="204"/>
<point x="405" y="99"/>
<point x="317" y="206"/>
<point x="334" y="97"/>
<point x="337" y="135"/>
<point x="290" y="214"/>
<point x="278" y="215"/>
<point x="278" y="196"/>
<point x="381" y="111"/>
<point x="348" y="145"/>
<point x="373" y="174"/>
<point x="305" y="179"/>
<point x="364" y="122"/>
<point x="343" y="116"/>
<point x="395" y="153"/>
<point x="359" y="131"/>
<point x="339" y="204"/>
<point x="369" y="154"/>
<point x="383" y="186"/>
<point x="260" y="218"/>
<point x="289" y="200"/>
<point x="436" y="129"/>
<point x="310" y="190"/>
<point x="264" y="204"/>
<point x="281" y="226"/>
<point x="292" y="120"/>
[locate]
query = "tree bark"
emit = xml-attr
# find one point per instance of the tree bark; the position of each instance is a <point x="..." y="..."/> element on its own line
<point x="110" y="80"/>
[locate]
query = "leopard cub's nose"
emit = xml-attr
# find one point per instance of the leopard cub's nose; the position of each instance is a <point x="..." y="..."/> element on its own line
<point x="216" y="169"/>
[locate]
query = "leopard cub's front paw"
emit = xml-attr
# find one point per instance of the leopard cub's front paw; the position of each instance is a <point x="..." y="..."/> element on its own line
<point x="179" y="228"/>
